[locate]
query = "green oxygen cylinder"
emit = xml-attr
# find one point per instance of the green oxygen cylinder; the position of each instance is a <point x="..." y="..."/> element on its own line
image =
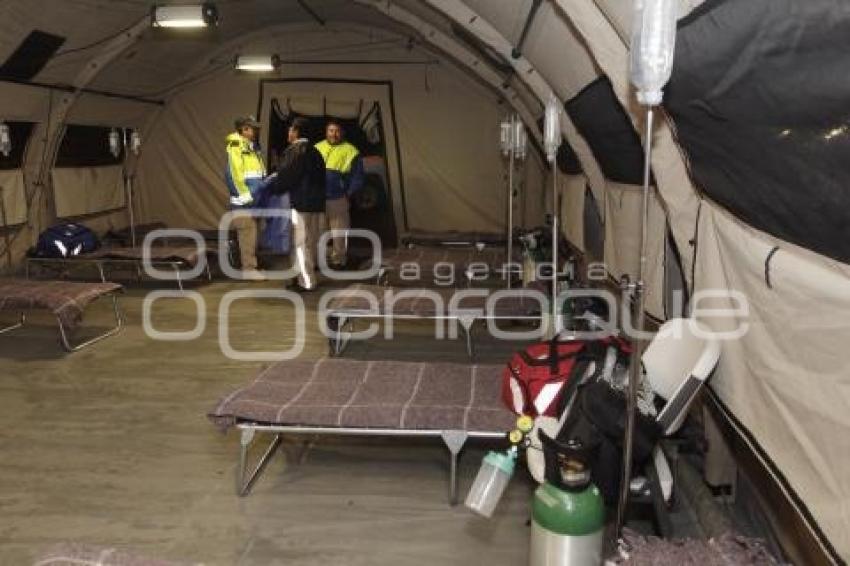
<point x="567" y="512"/>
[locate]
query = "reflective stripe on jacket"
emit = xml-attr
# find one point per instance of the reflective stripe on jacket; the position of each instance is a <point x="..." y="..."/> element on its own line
<point x="245" y="170"/>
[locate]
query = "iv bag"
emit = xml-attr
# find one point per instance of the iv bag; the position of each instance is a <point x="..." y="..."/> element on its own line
<point x="520" y="140"/>
<point x="506" y="136"/>
<point x="135" y="142"/>
<point x="5" y="139"/>
<point x="652" y="47"/>
<point x="552" y="129"/>
<point x="114" y="143"/>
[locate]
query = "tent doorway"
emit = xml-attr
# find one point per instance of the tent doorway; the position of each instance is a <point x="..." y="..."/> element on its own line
<point x="366" y="117"/>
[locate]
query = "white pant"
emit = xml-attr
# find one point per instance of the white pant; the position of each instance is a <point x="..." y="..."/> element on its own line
<point x="307" y="227"/>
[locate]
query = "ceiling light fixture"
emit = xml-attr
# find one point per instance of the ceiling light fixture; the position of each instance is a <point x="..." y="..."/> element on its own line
<point x="257" y="63"/>
<point x="185" y="16"/>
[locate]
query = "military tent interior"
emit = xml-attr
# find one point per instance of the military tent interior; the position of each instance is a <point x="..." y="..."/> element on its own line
<point x="110" y="446"/>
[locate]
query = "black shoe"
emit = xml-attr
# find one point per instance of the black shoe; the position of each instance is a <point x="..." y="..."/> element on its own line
<point x="297" y="288"/>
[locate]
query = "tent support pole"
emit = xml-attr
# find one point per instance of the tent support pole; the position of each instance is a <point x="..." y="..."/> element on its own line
<point x="511" y="156"/>
<point x="637" y="351"/>
<point x="556" y="321"/>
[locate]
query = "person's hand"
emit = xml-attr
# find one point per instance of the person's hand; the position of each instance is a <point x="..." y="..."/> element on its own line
<point x="242" y="200"/>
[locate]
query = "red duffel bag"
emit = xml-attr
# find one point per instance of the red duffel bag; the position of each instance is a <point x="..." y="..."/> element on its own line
<point x="534" y="381"/>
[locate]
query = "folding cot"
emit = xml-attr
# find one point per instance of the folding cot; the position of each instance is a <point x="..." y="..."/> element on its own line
<point x="442" y="264"/>
<point x="452" y="402"/>
<point x="175" y="258"/>
<point x="440" y="304"/>
<point x="212" y="237"/>
<point x="65" y="299"/>
<point x="452" y="238"/>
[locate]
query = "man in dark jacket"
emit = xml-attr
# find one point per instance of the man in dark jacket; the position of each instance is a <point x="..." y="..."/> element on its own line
<point x="301" y="173"/>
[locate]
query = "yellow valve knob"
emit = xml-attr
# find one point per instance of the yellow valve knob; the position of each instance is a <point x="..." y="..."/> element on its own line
<point x="525" y="423"/>
<point x="515" y="436"/>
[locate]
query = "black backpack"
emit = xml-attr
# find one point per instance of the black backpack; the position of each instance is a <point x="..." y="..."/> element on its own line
<point x="598" y="419"/>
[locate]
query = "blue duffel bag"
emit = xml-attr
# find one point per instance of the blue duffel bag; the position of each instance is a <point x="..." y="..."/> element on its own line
<point x="66" y="240"/>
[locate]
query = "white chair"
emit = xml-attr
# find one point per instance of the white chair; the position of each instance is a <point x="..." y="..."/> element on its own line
<point x="677" y="362"/>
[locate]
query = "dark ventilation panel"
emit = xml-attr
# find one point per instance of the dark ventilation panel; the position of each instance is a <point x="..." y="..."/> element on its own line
<point x="759" y="95"/>
<point x="567" y="160"/>
<point x="603" y="122"/>
<point x="86" y="146"/>
<point x="20" y="133"/>
<point x="31" y="56"/>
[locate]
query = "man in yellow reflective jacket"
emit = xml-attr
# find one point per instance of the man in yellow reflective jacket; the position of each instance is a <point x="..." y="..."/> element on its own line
<point x="244" y="176"/>
<point x="344" y="177"/>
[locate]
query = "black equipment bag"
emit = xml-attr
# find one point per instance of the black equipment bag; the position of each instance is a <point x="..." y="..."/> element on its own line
<point x="597" y="418"/>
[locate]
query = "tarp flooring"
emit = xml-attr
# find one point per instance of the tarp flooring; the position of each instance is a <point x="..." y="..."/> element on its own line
<point x="111" y="447"/>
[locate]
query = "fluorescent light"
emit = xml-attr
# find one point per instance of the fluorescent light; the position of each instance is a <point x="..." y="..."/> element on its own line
<point x="257" y="63"/>
<point x="185" y="17"/>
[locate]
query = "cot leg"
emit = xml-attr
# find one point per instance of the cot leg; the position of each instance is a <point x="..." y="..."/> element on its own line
<point x="243" y="485"/>
<point x="17" y="325"/>
<point x="177" y="276"/>
<point x="454" y="439"/>
<point x="119" y="323"/>
<point x="383" y="277"/>
<point x="339" y="340"/>
<point x="101" y="272"/>
<point x="467" y="324"/>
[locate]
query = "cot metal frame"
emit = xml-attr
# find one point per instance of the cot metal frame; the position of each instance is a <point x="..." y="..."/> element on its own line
<point x="454" y="441"/>
<point x="466" y="320"/>
<point x="514" y="272"/>
<point x="64" y="333"/>
<point x="62" y="264"/>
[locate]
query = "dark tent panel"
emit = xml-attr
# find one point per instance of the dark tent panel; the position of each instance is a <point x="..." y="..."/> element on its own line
<point x="602" y="121"/>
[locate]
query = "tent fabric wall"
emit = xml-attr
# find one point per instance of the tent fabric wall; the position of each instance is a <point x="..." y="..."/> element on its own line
<point x="525" y="69"/>
<point x="573" y="189"/>
<point x="786" y="378"/>
<point x="609" y="49"/>
<point x="80" y="191"/>
<point x="447" y="126"/>
<point x="14" y="197"/>
<point x="623" y="205"/>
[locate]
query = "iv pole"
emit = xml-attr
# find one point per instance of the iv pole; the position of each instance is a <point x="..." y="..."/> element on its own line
<point x="513" y="145"/>
<point x="6" y="239"/>
<point x="636" y="290"/>
<point x="551" y="141"/>
<point x="128" y="188"/>
<point x="652" y="47"/>
<point x="131" y="143"/>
